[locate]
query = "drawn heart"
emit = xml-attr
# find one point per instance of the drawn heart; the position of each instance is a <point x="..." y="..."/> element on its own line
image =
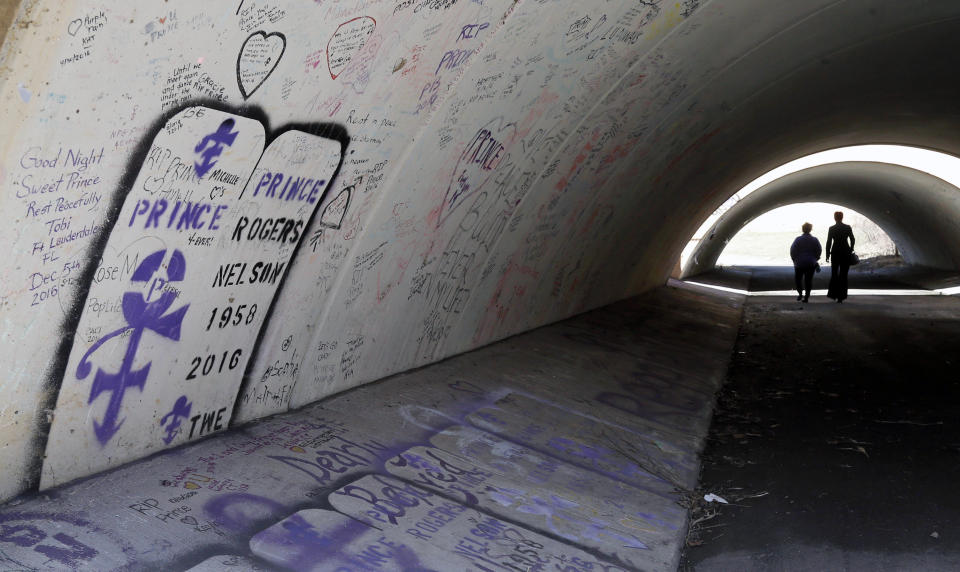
<point x="347" y="41"/>
<point x="74" y="27"/>
<point x="259" y="56"/>
<point x="333" y="214"/>
<point x="153" y="184"/>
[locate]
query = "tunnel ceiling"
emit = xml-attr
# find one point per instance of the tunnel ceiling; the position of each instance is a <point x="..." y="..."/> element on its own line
<point x="425" y="177"/>
<point x="920" y="212"/>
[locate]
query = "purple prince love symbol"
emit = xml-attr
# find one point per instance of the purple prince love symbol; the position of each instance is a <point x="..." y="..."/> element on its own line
<point x="141" y="314"/>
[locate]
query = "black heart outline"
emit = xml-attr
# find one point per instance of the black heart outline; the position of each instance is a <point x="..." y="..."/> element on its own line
<point x="357" y="49"/>
<point x="349" y="192"/>
<point x="265" y="35"/>
<point x="78" y="22"/>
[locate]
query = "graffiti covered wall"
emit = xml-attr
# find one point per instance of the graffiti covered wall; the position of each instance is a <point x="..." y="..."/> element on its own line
<point x="445" y="467"/>
<point x="217" y="211"/>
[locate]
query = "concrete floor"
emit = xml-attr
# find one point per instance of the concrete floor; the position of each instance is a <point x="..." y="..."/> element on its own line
<point x="884" y="273"/>
<point x="835" y="439"/>
<point x="571" y="447"/>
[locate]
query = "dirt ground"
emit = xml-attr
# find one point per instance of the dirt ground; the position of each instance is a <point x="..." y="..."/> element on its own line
<point x="836" y="439"/>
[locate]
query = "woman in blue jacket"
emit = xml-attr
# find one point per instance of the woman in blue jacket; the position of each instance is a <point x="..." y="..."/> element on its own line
<point x="805" y="252"/>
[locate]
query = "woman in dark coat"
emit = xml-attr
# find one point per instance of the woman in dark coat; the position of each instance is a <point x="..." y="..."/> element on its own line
<point x="805" y="252"/>
<point x="839" y="245"/>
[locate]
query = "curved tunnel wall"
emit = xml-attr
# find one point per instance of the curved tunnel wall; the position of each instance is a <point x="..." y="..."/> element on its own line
<point x="920" y="212"/>
<point x="486" y="166"/>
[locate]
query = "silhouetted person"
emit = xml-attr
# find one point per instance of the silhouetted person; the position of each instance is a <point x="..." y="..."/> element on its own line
<point x="839" y="245"/>
<point x="805" y="252"/>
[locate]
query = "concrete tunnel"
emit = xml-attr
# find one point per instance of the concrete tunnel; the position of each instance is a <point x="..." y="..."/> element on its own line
<point x="916" y="209"/>
<point x="218" y="213"/>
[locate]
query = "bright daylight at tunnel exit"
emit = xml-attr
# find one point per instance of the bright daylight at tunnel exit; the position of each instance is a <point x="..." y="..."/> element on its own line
<point x="438" y="285"/>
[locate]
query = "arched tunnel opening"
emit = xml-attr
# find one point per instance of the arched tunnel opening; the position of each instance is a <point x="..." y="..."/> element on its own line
<point x="761" y="241"/>
<point x="910" y="193"/>
<point x="816" y="421"/>
<point x="365" y="285"/>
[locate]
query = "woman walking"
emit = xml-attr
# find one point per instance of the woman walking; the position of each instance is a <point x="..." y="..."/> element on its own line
<point x="839" y="245"/>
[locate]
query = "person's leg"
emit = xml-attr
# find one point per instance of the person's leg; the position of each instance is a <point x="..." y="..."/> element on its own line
<point x="797" y="275"/>
<point x="807" y="283"/>
<point x="834" y="278"/>
<point x="843" y="271"/>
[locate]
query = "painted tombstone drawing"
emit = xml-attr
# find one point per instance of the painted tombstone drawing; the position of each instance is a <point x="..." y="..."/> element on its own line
<point x="202" y="243"/>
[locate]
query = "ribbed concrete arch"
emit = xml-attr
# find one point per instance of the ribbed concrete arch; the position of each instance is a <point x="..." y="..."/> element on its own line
<point x="920" y="212"/>
<point x="215" y="212"/>
<point x="877" y="89"/>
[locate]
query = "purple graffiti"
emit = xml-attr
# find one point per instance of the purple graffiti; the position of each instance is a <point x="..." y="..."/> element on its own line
<point x="344" y="547"/>
<point x="27" y="535"/>
<point x="339" y="457"/>
<point x="141" y="314"/>
<point x="586" y="452"/>
<point x="62" y="545"/>
<point x="238" y="512"/>
<point x="303" y="545"/>
<point x="223" y="136"/>
<point x="302" y="532"/>
<point x="181" y="409"/>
